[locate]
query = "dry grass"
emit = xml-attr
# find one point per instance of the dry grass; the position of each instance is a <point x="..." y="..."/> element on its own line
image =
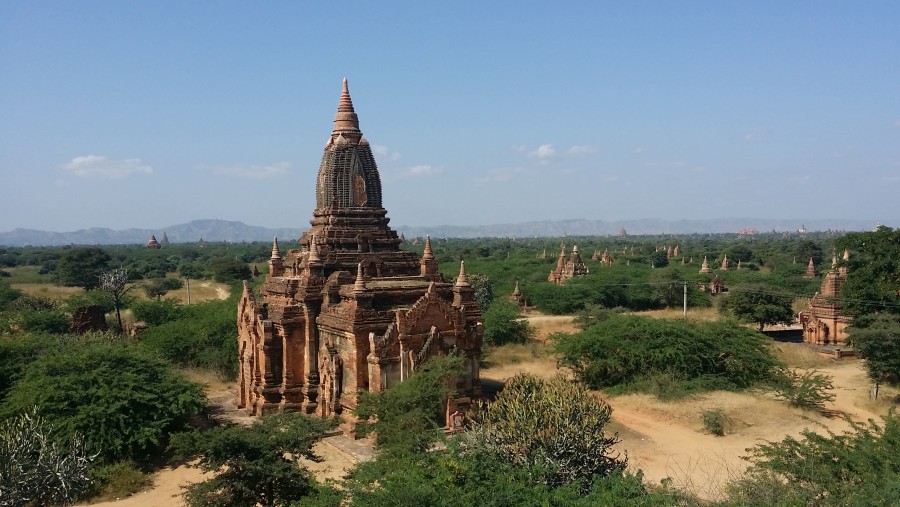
<point x="47" y="290"/>
<point x="546" y="325"/>
<point x="26" y="274"/>
<point x="693" y="314"/>
<point x="798" y="355"/>
<point x="201" y="290"/>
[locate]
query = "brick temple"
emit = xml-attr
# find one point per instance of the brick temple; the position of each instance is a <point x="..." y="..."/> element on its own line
<point x="348" y="311"/>
<point x="824" y="321"/>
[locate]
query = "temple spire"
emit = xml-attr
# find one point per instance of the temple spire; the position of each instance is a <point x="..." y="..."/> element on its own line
<point x="346" y="123"/>
<point x="360" y="285"/>
<point x="427" y="255"/>
<point x="463" y="279"/>
<point x="275" y="253"/>
<point x="313" y="251"/>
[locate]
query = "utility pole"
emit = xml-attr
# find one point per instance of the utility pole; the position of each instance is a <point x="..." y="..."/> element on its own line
<point x="685" y="299"/>
<point x="188" y="290"/>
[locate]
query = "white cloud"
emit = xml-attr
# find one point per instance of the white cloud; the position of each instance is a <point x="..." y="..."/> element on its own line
<point x="422" y="170"/>
<point x="99" y="166"/>
<point x="252" y="171"/>
<point x="499" y="175"/>
<point x="581" y="150"/>
<point x="755" y="135"/>
<point x="543" y="151"/>
<point x="385" y="153"/>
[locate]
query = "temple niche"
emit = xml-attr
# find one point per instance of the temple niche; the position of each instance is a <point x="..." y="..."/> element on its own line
<point x="824" y="321"/>
<point x="348" y="311"/>
<point x="567" y="266"/>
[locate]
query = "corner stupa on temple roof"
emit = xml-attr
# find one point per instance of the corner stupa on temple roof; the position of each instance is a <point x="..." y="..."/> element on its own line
<point x="346" y="310"/>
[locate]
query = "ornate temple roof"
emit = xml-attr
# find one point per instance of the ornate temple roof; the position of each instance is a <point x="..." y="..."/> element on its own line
<point x="348" y="176"/>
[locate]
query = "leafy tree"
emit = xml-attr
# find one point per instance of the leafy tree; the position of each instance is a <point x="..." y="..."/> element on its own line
<point x="808" y="249"/>
<point x="502" y="325"/>
<point x="81" y="267"/>
<point x="407" y="416"/>
<point x="226" y="269"/>
<point x="858" y="467"/>
<point x="35" y="470"/>
<point x="876" y="339"/>
<point x="483" y="290"/>
<point x="190" y="270"/>
<point x="115" y="283"/>
<point x="873" y="282"/>
<point x="553" y="428"/>
<point x="158" y="312"/>
<point x="659" y="259"/>
<point x="256" y="465"/>
<point x="8" y="295"/>
<point x="123" y="402"/>
<point x="635" y="353"/>
<point x="159" y="287"/>
<point x="760" y="304"/>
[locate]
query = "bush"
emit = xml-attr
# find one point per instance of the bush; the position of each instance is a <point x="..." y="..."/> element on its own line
<point x="717" y="422"/>
<point x="809" y="390"/>
<point x="858" y="467"/>
<point x="407" y="416"/>
<point x="156" y="313"/>
<point x="503" y="325"/>
<point x="203" y="336"/>
<point x="117" y="480"/>
<point x="36" y="471"/>
<point x="554" y="429"/>
<point x="123" y="402"/>
<point x="44" y="321"/>
<point x="636" y="353"/>
<point x="256" y="465"/>
<point x="225" y="270"/>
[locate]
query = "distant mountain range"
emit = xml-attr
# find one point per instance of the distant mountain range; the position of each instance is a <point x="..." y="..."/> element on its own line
<point x="235" y="232"/>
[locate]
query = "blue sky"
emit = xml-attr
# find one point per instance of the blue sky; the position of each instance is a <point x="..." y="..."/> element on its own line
<point x="148" y="114"/>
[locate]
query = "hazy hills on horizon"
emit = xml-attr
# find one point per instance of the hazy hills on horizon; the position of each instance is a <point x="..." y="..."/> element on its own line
<point x="234" y="231"/>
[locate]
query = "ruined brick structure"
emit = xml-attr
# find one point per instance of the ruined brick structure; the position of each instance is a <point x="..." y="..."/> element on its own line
<point x="824" y="321"/>
<point x="567" y="266"/>
<point x="348" y="311"/>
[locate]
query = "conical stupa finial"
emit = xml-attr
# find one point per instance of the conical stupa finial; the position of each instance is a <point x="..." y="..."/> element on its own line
<point x="345" y="120"/>
<point x="462" y="280"/>
<point x="275" y="253"/>
<point x="517" y="292"/>
<point x="360" y="285"/>
<point x="313" y="250"/>
<point x="846" y="255"/>
<point x="427" y="254"/>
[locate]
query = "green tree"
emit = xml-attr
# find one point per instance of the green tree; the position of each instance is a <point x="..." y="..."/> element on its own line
<point x="225" y="269"/>
<point x="858" y="467"/>
<point x="502" y="325"/>
<point x="553" y="428"/>
<point x="407" y="417"/>
<point x="873" y="282"/>
<point x="124" y="403"/>
<point x="256" y="465"/>
<point x="876" y="338"/>
<point x="808" y="249"/>
<point x="159" y="287"/>
<point x="483" y="290"/>
<point x="8" y="295"/>
<point x="34" y="470"/>
<point x="81" y="267"/>
<point x="760" y="304"/>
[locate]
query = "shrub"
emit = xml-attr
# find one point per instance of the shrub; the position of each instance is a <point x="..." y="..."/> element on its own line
<point x="156" y="313"/>
<point x="553" y="428"/>
<point x="407" y="416"/>
<point x="123" y="402"/>
<point x="630" y="352"/>
<point x="34" y="470"/>
<point x="809" y="390"/>
<point x="44" y="321"/>
<point x="858" y="467"/>
<point x="256" y="465"/>
<point x="118" y="480"/>
<point x="502" y="325"/>
<point x="717" y="422"/>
